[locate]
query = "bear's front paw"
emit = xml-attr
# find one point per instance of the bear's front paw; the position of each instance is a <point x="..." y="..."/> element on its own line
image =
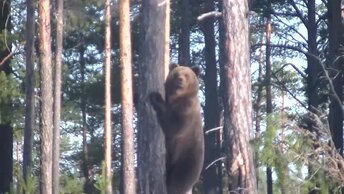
<point x="156" y="98"/>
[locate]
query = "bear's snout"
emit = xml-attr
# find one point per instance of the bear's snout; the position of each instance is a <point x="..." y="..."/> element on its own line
<point x="179" y="81"/>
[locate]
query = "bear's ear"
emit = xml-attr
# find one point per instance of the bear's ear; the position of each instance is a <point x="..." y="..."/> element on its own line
<point x="196" y="70"/>
<point x="173" y="65"/>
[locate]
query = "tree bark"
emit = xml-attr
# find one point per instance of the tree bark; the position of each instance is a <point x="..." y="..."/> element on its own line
<point x="57" y="97"/>
<point x="312" y="64"/>
<point x="84" y="164"/>
<point x="235" y="78"/>
<point x="212" y="176"/>
<point x="29" y="89"/>
<point x="128" y="163"/>
<point x="335" y="28"/>
<point x="107" y="71"/>
<point x="167" y="38"/>
<point x="184" y="35"/>
<point x="269" y="182"/>
<point x="6" y="154"/>
<point x="46" y="95"/>
<point x="313" y="68"/>
<point x="151" y="145"/>
<point x="6" y="131"/>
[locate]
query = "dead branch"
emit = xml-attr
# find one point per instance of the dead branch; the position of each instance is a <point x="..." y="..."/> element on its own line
<point x="8" y="57"/>
<point x="214" y="14"/>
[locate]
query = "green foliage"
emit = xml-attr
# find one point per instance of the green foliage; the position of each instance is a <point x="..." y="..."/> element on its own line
<point x="30" y="186"/>
<point x="101" y="181"/>
<point x="71" y="185"/>
<point x="9" y="88"/>
<point x="270" y="154"/>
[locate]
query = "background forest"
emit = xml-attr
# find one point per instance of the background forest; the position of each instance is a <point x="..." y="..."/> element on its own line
<point x="297" y="81"/>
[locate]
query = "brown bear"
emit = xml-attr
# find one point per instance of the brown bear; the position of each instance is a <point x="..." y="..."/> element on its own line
<point x="179" y="116"/>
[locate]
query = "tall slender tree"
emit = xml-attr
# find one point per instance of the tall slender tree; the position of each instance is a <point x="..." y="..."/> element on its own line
<point x="184" y="35"/>
<point x="335" y="28"/>
<point x="268" y="86"/>
<point x="313" y="68"/>
<point x="29" y="89"/>
<point x="83" y="105"/>
<point x="151" y="149"/>
<point x="6" y="131"/>
<point x="128" y="169"/>
<point x="313" y="65"/>
<point x="107" y="71"/>
<point x="212" y="175"/>
<point x="57" y="97"/>
<point x="46" y="128"/>
<point x="235" y="78"/>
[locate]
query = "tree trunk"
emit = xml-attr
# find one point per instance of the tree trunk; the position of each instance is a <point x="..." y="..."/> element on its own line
<point x="312" y="63"/>
<point x="236" y="96"/>
<point x="151" y="145"/>
<point x="57" y="97"/>
<point x="167" y="38"/>
<point x="184" y="35"/>
<point x="128" y="169"/>
<point x="84" y="164"/>
<point x="268" y="88"/>
<point x="29" y="89"/>
<point x="258" y="105"/>
<point x="6" y="155"/>
<point x="46" y="95"/>
<point x="335" y="28"/>
<point x="6" y="131"/>
<point x="212" y="176"/>
<point x="312" y="73"/>
<point x="107" y="71"/>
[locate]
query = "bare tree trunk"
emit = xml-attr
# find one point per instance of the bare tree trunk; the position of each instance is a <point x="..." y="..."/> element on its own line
<point x="84" y="164"/>
<point x="128" y="169"/>
<point x="167" y="38"/>
<point x="236" y="96"/>
<point x="57" y="97"/>
<point x="313" y="65"/>
<point x="184" y="35"/>
<point x="29" y="89"/>
<point x="336" y="116"/>
<point x="6" y="162"/>
<point x="257" y="106"/>
<point x="212" y="179"/>
<point x="6" y="131"/>
<point x="151" y="145"/>
<point x="268" y="88"/>
<point x="46" y="95"/>
<point x="313" y="68"/>
<point x="107" y="71"/>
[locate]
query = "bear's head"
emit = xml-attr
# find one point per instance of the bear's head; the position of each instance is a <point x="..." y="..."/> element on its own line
<point x="181" y="82"/>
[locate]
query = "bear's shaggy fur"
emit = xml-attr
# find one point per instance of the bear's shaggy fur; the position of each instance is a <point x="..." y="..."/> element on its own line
<point x="180" y="119"/>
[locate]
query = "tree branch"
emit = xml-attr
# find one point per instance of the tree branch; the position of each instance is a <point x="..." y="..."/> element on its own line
<point x="287" y="90"/>
<point x="214" y="14"/>
<point x="332" y="90"/>
<point x="299" y="13"/>
<point x="294" y="67"/>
